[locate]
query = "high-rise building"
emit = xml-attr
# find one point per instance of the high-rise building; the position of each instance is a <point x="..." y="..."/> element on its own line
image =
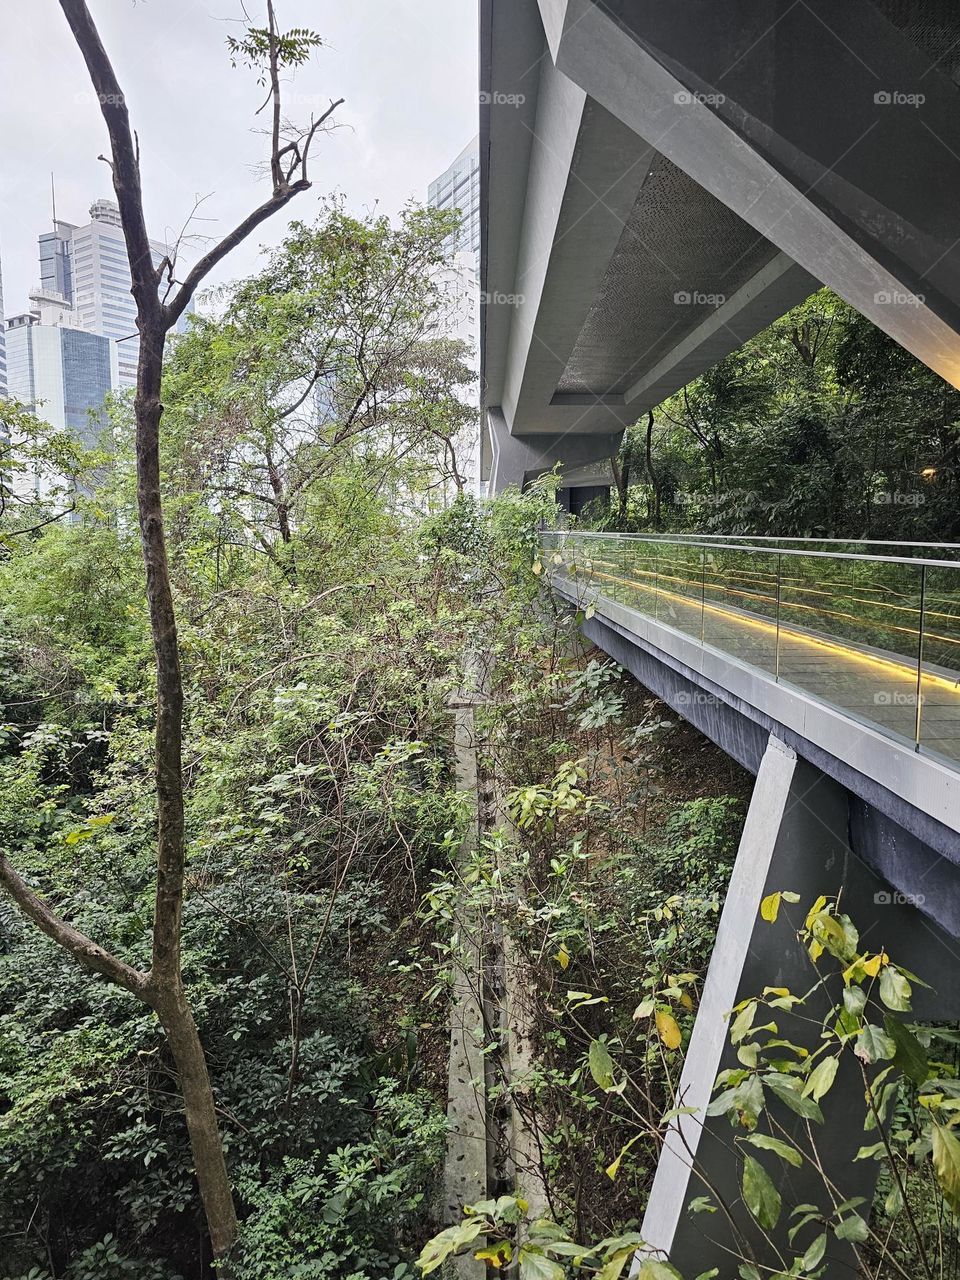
<point x="58" y="370"/>
<point x="87" y="265"/>
<point x="458" y="187"/>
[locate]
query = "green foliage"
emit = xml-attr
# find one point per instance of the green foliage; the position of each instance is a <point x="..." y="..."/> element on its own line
<point x="348" y="1214"/>
<point x="791" y="1049"/>
<point x="821" y="426"/>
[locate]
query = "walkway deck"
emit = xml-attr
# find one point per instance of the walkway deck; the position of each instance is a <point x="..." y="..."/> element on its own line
<point x="872" y="685"/>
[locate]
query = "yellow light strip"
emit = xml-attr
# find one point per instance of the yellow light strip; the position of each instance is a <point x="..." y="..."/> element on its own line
<point x="912" y="632"/>
<point x="883" y="664"/>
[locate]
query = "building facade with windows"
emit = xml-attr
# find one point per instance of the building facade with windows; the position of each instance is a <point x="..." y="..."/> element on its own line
<point x="87" y="265"/>
<point x="458" y="187"/>
<point x="58" y="370"/>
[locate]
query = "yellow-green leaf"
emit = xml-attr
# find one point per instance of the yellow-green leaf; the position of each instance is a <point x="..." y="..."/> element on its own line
<point x="668" y="1029"/>
<point x="498" y="1255"/>
<point x="946" y="1162"/>
<point x="770" y="907"/>
<point x="821" y="1078"/>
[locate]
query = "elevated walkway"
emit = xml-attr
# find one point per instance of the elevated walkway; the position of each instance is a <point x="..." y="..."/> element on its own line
<point x="834" y="675"/>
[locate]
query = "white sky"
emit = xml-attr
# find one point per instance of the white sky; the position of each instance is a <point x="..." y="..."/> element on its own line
<point x="407" y="69"/>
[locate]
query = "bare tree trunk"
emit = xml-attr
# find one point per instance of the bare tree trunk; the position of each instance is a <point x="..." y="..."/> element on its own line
<point x="167" y="995"/>
<point x="206" y="1143"/>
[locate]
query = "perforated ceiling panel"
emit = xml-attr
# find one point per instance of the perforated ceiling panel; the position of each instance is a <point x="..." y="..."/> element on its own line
<point x="649" y="301"/>
<point x="933" y="26"/>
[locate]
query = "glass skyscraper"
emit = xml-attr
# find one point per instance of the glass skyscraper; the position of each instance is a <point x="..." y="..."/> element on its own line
<point x="458" y="187"/>
<point x="61" y="373"/>
<point x="88" y="267"/>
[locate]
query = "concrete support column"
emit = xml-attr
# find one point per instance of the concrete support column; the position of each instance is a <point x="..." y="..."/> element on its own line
<point x="512" y="460"/>
<point x="795" y="838"/>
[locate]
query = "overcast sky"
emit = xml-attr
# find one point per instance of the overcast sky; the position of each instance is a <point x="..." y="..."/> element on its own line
<point x="406" y="69"/>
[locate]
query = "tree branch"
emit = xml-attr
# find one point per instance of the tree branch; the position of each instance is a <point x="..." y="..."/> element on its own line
<point x="125" y="165"/>
<point x="89" y="953"/>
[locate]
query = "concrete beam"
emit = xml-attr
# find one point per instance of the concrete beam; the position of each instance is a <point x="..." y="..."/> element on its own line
<point x="586" y="170"/>
<point x="772" y="292"/>
<point x="512" y="460"/>
<point x="779" y="111"/>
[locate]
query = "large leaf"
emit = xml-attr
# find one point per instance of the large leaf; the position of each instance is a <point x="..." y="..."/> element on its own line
<point x="874" y="1045"/>
<point x="814" y="1254"/>
<point x="821" y="1078"/>
<point x="788" y="1092"/>
<point x="853" y="1228"/>
<point x="770" y="907"/>
<point x="910" y="1057"/>
<point x="668" y="1029"/>
<point x="535" y="1265"/>
<point x="436" y="1251"/>
<point x="946" y="1162"/>
<point x="743" y="1022"/>
<point x="782" y="1149"/>
<point x="895" y="990"/>
<point x="615" y="1263"/>
<point x="759" y="1194"/>
<point x="498" y="1255"/>
<point x="601" y="1064"/>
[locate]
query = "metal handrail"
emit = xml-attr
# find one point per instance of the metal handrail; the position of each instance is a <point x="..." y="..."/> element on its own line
<point x="769" y="537"/>
<point x="688" y="541"/>
<point x="929" y="676"/>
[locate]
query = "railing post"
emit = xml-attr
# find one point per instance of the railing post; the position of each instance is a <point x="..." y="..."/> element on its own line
<point x="703" y="588"/>
<point x="923" y="602"/>
<point x="779" y="575"/>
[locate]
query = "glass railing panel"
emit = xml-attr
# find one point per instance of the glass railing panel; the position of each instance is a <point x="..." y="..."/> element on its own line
<point x="740" y="605"/>
<point x="639" y="566"/>
<point x="607" y="568"/>
<point x="940" y="713"/>
<point x="850" y="633"/>
<point x="680" y="587"/>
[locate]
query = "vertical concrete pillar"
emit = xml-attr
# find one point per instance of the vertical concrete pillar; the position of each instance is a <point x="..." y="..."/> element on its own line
<point x="795" y="838"/>
<point x="465" y="1168"/>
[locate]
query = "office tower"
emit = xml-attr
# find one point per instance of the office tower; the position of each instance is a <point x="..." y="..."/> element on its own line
<point x="87" y="265"/>
<point x="58" y="370"/>
<point x="458" y="187"/>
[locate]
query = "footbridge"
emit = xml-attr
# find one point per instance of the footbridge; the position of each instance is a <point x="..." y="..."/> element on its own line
<point x="832" y="672"/>
<point x="660" y="182"/>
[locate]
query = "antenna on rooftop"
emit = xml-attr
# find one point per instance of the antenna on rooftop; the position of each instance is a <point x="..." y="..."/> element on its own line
<point x="53" y="199"/>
